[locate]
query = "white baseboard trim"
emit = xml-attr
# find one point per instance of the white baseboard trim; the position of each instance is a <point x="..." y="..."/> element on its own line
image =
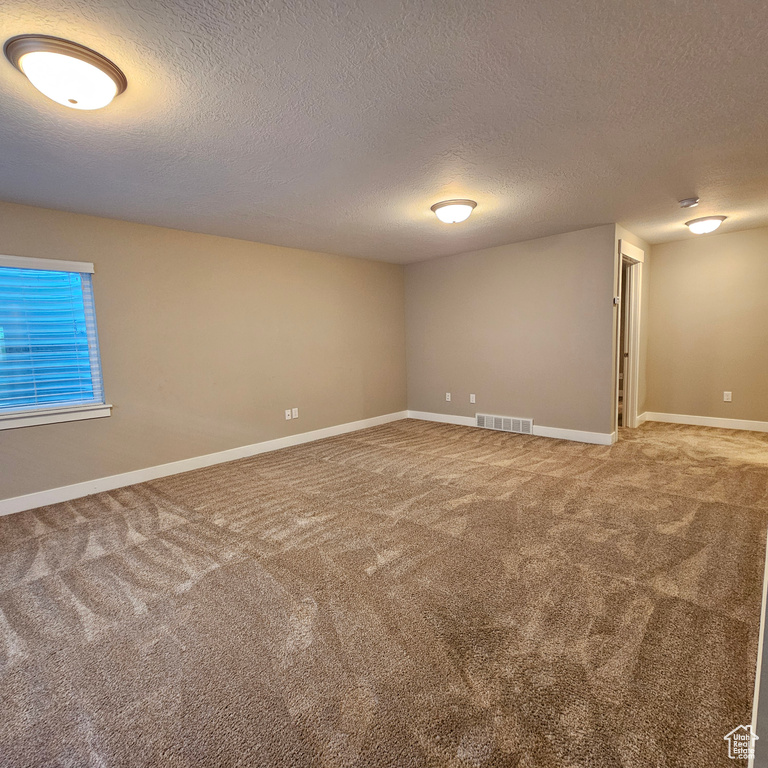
<point x="576" y="435"/>
<point x="759" y="665"/>
<point x="443" y="418"/>
<point x="642" y="418"/>
<point x="708" y="421"/>
<point x="76" y="491"/>
<point x="597" y="438"/>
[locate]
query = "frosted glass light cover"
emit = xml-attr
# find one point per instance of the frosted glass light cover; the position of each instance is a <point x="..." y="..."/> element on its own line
<point x="67" y="80"/>
<point x="705" y="224"/>
<point x="454" y="211"/>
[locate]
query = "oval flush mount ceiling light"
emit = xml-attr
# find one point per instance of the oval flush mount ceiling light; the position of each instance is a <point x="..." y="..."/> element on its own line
<point x="68" y="73"/>
<point x="705" y="224"/>
<point x="453" y="211"/>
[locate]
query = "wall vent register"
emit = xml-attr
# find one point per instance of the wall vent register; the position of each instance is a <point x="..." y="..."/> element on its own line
<point x="505" y="423"/>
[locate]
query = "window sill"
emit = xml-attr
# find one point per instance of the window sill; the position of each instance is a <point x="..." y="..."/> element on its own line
<point x="53" y="415"/>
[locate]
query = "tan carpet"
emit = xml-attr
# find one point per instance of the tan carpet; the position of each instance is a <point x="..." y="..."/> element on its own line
<point x="411" y="595"/>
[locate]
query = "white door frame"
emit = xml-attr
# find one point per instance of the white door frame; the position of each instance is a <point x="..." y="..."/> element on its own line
<point x="636" y="258"/>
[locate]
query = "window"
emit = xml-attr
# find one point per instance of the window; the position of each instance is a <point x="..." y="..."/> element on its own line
<point x="49" y="350"/>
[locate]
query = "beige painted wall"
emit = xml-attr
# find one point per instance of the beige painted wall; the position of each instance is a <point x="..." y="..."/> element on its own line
<point x="709" y="326"/>
<point x="528" y="328"/>
<point x="205" y="341"/>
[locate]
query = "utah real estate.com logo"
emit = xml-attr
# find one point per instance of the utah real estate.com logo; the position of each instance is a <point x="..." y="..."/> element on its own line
<point x="741" y="743"/>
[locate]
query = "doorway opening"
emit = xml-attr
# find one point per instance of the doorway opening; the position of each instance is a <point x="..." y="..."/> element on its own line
<point x="628" y="335"/>
<point x="626" y="278"/>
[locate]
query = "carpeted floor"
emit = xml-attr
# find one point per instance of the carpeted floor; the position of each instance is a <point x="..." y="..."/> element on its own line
<point x="410" y="595"/>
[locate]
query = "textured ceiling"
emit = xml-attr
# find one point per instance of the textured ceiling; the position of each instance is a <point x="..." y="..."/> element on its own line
<point x="334" y="126"/>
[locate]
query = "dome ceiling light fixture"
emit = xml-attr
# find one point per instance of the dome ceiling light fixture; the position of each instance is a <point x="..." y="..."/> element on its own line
<point x="689" y="202"/>
<point x="453" y="211"/>
<point x="705" y="224"/>
<point x="68" y="73"/>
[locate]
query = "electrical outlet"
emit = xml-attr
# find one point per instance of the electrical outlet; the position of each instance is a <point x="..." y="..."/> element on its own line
<point x="287" y="414"/>
<point x="447" y="397"/>
<point x="727" y="397"/>
<point x="471" y="398"/>
<point x="295" y="413"/>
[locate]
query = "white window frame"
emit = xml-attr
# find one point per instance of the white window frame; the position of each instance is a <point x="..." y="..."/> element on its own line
<point x="35" y="416"/>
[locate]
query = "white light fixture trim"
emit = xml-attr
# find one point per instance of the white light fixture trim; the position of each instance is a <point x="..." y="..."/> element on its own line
<point x="68" y="73"/>
<point x="453" y="211"/>
<point x="705" y="224"/>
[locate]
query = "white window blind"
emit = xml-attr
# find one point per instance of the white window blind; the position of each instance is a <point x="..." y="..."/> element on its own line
<point x="49" y="352"/>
